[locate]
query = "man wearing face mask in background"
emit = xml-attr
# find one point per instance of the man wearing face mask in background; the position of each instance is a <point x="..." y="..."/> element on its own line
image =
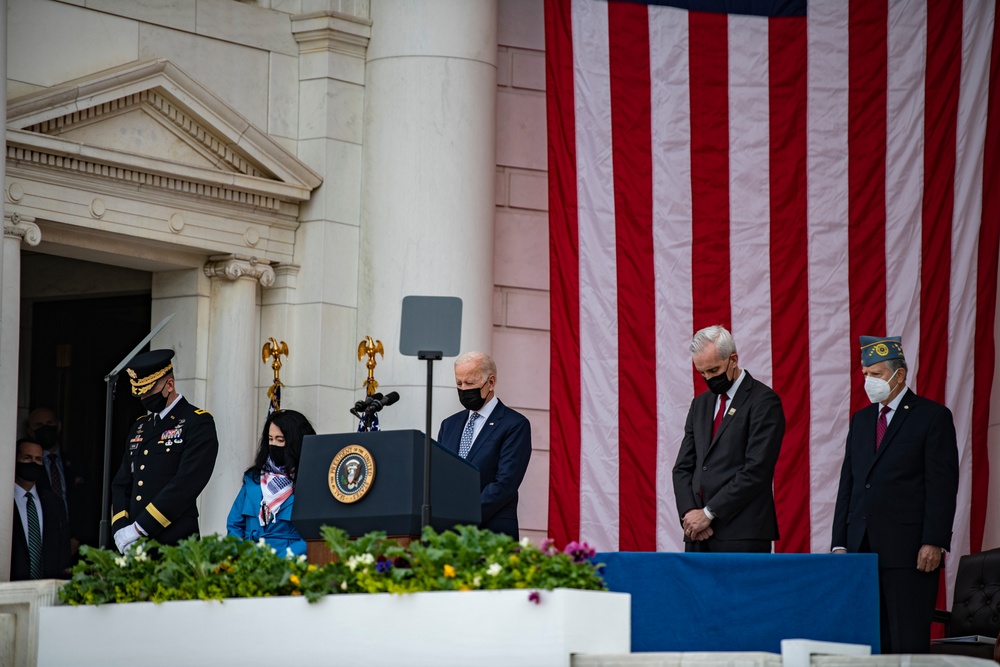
<point x="725" y="467"/>
<point x="168" y="460"/>
<point x="39" y="546"/>
<point x="490" y="436"/>
<point x="62" y="478"/>
<point x="897" y="494"/>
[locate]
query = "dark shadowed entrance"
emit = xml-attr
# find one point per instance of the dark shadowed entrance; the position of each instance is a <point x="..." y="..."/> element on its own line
<point x="74" y="343"/>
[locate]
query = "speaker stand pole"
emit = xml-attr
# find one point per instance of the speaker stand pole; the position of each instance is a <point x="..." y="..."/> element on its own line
<point x="425" y="512"/>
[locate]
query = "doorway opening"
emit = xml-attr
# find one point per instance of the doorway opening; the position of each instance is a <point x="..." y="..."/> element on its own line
<point x="75" y="340"/>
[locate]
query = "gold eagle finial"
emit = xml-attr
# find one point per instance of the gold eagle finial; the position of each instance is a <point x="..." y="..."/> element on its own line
<point x="369" y="348"/>
<point x="274" y="350"/>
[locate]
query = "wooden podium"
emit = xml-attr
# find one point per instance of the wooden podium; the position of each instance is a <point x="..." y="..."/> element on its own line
<point x="393" y="499"/>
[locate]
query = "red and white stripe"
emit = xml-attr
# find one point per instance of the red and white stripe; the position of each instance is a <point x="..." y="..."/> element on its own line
<point x="802" y="181"/>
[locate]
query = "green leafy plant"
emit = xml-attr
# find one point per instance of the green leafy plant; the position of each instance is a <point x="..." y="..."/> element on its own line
<point x="214" y="568"/>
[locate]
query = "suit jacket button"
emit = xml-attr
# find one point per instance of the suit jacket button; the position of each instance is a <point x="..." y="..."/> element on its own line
<point x="138" y="497"/>
<point x="140" y="482"/>
<point x="868" y="486"/>
<point x="704" y="467"/>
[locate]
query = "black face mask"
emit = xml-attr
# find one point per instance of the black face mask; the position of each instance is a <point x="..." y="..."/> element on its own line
<point x="277" y="454"/>
<point x="29" y="471"/>
<point x="47" y="435"/>
<point x="472" y="399"/>
<point x="721" y="383"/>
<point x="154" y="403"/>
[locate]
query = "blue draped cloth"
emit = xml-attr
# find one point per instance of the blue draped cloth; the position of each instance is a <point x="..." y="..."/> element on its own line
<point x="746" y="602"/>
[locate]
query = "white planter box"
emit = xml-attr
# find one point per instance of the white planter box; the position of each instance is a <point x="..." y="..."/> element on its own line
<point x="441" y="628"/>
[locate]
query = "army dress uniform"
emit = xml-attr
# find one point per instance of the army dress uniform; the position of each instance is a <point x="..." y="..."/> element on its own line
<point x="166" y="465"/>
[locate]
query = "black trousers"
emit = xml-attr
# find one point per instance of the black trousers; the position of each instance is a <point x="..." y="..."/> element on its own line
<point x="906" y="598"/>
<point x="906" y="608"/>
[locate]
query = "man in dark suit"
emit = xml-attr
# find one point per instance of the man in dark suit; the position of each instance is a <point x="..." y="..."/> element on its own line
<point x="40" y="541"/>
<point x="168" y="461"/>
<point x="897" y="493"/>
<point x="62" y="478"/>
<point x="490" y="436"/>
<point x="725" y="467"/>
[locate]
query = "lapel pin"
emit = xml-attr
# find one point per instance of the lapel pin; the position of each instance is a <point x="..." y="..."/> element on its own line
<point x="491" y="423"/>
<point x="732" y="411"/>
<point x="906" y="407"/>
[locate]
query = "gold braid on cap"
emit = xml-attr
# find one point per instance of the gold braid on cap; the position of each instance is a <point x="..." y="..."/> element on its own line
<point x="141" y="385"/>
<point x="881" y="348"/>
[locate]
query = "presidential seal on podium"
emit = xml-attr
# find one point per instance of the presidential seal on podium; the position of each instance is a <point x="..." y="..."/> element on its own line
<point x="352" y="472"/>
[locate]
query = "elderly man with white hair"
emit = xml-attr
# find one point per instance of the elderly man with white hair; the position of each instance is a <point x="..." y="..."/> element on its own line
<point x="724" y="472"/>
<point x="490" y="436"/>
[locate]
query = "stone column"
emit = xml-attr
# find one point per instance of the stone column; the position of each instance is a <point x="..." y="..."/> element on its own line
<point x="233" y="357"/>
<point x="428" y="194"/>
<point x="16" y="229"/>
<point x="320" y="302"/>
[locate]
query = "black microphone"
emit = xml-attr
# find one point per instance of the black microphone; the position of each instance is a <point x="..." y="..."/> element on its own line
<point x="381" y="402"/>
<point x="365" y="405"/>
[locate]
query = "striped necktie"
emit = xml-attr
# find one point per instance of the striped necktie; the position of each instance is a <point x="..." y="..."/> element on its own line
<point x="466" y="443"/>
<point x="34" y="539"/>
<point x="55" y="476"/>
<point x="882" y="426"/>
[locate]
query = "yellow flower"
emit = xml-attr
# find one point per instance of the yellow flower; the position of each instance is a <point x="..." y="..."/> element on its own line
<point x="513" y="559"/>
<point x="294" y="579"/>
<point x="312" y="568"/>
<point x="296" y="592"/>
<point x="449" y="571"/>
<point x="464" y="588"/>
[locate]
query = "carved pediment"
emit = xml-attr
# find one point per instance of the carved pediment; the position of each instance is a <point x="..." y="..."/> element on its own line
<point x="152" y="124"/>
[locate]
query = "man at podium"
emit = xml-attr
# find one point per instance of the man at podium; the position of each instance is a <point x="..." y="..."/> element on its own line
<point x="490" y="436"/>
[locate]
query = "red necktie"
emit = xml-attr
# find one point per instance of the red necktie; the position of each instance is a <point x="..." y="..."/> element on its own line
<point x="720" y="414"/>
<point x="881" y="426"/>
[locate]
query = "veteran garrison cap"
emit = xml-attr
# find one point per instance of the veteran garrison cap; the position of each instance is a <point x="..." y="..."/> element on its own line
<point x="148" y="367"/>
<point x="875" y="349"/>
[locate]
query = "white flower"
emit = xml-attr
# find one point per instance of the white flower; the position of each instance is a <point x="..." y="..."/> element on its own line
<point x="121" y="562"/>
<point x="494" y="569"/>
<point x="343" y="585"/>
<point x="477" y="580"/>
<point x="360" y="559"/>
<point x="289" y="554"/>
<point x="301" y="558"/>
<point x="274" y="551"/>
<point x="140" y="555"/>
<point x="525" y="543"/>
<point x="262" y="543"/>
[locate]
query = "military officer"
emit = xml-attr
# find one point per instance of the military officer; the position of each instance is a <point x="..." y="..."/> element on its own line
<point x="168" y="461"/>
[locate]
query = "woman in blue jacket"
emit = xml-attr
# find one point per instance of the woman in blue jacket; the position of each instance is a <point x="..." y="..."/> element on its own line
<point x="263" y="507"/>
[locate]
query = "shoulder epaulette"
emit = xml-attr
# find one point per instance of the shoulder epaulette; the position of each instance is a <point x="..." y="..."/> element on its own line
<point x="203" y="412"/>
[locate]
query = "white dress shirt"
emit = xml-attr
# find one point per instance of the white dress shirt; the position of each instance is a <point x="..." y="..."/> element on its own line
<point x="21" y="500"/>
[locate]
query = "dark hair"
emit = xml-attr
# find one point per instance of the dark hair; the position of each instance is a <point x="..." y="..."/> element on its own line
<point x="294" y="426"/>
<point x="24" y="440"/>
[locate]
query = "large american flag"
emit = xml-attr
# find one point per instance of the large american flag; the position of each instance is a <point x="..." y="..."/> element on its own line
<point x="801" y="175"/>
